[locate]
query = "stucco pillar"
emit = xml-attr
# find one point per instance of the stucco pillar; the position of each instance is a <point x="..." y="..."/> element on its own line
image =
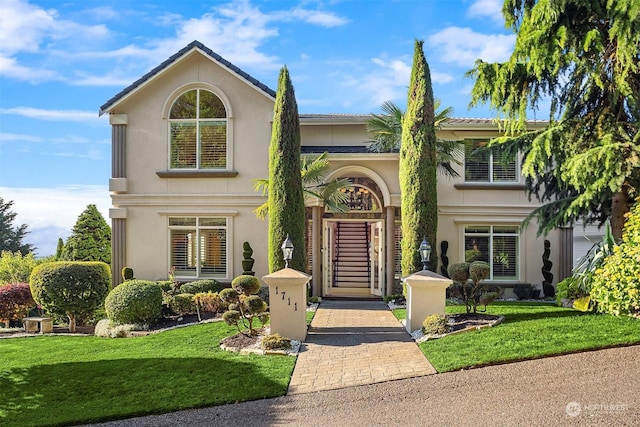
<point x="118" y="258"/>
<point x="391" y="249"/>
<point x="118" y="184"/>
<point x="288" y="303"/>
<point x="426" y="295"/>
<point x="565" y="252"/>
<point x="316" y="248"/>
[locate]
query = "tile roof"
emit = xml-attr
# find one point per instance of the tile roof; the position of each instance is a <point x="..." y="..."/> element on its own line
<point x="173" y="58"/>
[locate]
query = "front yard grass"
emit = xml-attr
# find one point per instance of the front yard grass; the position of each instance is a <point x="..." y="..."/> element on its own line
<point x="54" y="380"/>
<point x="529" y="331"/>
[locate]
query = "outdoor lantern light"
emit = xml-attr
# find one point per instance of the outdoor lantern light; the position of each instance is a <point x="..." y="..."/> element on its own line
<point x="425" y="253"/>
<point x="287" y="251"/>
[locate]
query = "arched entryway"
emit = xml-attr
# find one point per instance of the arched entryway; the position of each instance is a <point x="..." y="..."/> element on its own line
<point x="350" y="254"/>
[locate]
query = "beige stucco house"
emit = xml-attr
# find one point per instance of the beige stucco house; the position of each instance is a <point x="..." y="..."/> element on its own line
<point x="191" y="135"/>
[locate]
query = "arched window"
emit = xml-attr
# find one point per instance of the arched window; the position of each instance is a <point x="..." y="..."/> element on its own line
<point x="198" y="131"/>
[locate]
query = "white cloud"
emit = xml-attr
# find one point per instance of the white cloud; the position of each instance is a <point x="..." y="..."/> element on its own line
<point x="462" y="46"/>
<point x="7" y="137"/>
<point x="51" y="212"/>
<point x="53" y="115"/>
<point x="316" y="17"/>
<point x="491" y="9"/>
<point x="9" y="67"/>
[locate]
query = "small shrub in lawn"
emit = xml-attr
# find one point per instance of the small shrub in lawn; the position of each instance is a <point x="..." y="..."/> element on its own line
<point x="72" y="288"/>
<point x="135" y="301"/>
<point x="182" y="304"/>
<point x="244" y="305"/>
<point x="276" y="342"/>
<point x="435" y="324"/>
<point x="15" y="302"/>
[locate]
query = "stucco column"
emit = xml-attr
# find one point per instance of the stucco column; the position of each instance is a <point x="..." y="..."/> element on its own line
<point x="316" y="250"/>
<point x="391" y="248"/>
<point x="426" y="295"/>
<point x="118" y="184"/>
<point x="288" y="303"/>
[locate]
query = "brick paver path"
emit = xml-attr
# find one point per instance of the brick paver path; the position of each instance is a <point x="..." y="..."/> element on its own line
<point x="355" y="343"/>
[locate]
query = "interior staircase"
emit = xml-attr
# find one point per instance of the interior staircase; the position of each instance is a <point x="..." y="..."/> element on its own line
<point x="351" y="263"/>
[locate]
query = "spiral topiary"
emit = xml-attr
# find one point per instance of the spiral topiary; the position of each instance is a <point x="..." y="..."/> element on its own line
<point x="547" y="287"/>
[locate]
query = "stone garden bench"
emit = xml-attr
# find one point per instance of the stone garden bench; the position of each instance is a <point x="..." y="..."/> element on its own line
<point x="35" y="324"/>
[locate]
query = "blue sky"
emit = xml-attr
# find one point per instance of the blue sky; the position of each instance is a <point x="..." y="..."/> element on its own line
<point x="61" y="60"/>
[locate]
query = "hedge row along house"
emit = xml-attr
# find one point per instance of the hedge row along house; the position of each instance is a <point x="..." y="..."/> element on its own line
<point x="190" y="136"/>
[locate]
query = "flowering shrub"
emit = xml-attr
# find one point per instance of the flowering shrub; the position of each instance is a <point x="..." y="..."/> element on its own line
<point x="15" y="302"/>
<point x="616" y="285"/>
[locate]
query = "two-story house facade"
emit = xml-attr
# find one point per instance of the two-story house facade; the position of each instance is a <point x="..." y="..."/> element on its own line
<point x="190" y="136"/>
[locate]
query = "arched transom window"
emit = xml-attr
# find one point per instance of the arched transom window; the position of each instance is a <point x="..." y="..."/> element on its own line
<point x="198" y="131"/>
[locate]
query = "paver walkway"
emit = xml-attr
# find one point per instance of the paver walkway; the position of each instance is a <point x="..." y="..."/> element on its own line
<point x="354" y="343"/>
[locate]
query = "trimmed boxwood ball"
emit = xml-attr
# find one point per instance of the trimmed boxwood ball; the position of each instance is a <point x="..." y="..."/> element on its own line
<point x="182" y="304"/>
<point x="246" y="285"/>
<point x="435" y="324"/>
<point x="256" y="304"/>
<point x="135" y="301"/>
<point x="229" y="295"/>
<point x="459" y="272"/>
<point x="479" y="270"/>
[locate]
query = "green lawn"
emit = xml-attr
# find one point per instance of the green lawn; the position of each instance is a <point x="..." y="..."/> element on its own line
<point x="530" y="330"/>
<point x="53" y="380"/>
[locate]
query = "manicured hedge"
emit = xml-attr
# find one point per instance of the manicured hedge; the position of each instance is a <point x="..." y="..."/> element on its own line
<point x="134" y="301"/>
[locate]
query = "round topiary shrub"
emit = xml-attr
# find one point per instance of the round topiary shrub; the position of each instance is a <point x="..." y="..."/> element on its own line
<point x="479" y="270"/>
<point x="199" y="286"/>
<point x="246" y="285"/>
<point x="459" y="272"/>
<point x="15" y="302"/>
<point x="182" y="304"/>
<point x="435" y="324"/>
<point x="135" y="301"/>
<point x="71" y="288"/>
<point x="229" y="296"/>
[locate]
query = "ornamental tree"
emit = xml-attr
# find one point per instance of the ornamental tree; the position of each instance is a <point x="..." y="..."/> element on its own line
<point x="285" y="197"/>
<point x="417" y="169"/>
<point x="579" y="60"/>
<point x="90" y="238"/>
<point x="70" y="288"/>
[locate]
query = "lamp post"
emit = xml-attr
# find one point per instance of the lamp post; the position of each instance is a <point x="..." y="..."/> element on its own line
<point x="425" y="253"/>
<point x="287" y="251"/>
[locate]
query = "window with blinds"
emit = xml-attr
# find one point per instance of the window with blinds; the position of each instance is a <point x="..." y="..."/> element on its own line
<point x="199" y="246"/>
<point x="487" y="166"/>
<point x="496" y="245"/>
<point x="198" y="131"/>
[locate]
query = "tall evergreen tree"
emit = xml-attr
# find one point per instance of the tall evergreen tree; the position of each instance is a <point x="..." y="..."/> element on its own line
<point x="11" y="238"/>
<point x="59" y="249"/>
<point x="580" y="57"/>
<point x="286" y="200"/>
<point x="90" y="238"/>
<point x="418" y="164"/>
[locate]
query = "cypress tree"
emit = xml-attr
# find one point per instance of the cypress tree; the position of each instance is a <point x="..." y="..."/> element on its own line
<point x="417" y="169"/>
<point x="286" y="200"/>
<point x="59" y="249"/>
<point x="90" y="238"/>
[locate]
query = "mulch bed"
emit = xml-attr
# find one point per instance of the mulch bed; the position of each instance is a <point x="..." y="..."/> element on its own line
<point x="459" y="322"/>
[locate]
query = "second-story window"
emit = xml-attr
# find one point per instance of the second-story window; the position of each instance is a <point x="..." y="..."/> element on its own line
<point x="198" y="131"/>
<point x="487" y="166"/>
